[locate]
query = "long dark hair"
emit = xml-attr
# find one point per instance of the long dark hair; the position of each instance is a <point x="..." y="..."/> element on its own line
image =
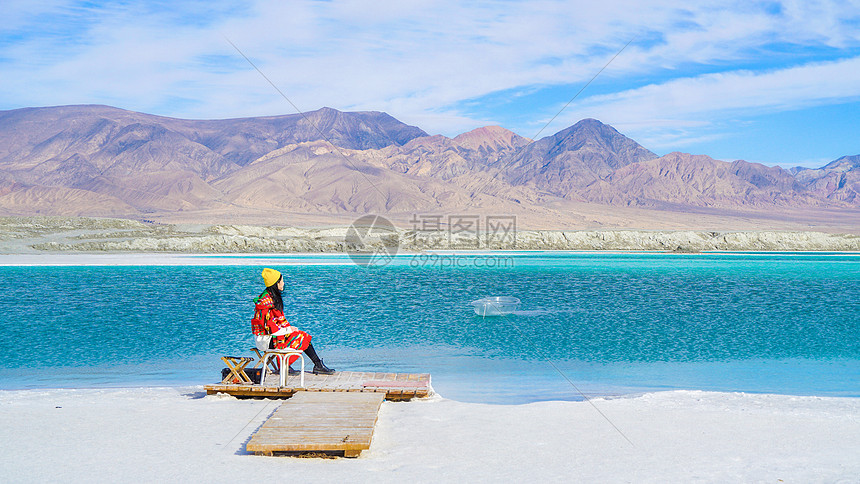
<point x="276" y="295"/>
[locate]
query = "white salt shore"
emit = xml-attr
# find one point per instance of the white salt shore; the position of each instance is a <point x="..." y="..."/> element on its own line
<point x="180" y="435"/>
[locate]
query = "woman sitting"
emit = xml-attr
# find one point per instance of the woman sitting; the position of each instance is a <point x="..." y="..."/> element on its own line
<point x="270" y="325"/>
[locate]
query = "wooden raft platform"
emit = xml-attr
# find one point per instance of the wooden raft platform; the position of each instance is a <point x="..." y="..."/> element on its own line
<point x="320" y="422"/>
<point x="394" y="386"/>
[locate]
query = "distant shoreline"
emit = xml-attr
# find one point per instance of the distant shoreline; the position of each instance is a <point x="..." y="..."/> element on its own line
<point x="141" y="259"/>
<point x="72" y="235"/>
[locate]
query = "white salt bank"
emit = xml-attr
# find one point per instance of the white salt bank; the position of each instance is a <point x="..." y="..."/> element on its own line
<point x="177" y="434"/>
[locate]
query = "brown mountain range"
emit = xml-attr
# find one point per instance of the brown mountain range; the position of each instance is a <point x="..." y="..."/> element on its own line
<point x="328" y="165"/>
<point x="838" y="180"/>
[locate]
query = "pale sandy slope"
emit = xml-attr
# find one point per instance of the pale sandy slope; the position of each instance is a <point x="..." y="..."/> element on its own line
<point x="177" y="435"/>
<point x="46" y="235"/>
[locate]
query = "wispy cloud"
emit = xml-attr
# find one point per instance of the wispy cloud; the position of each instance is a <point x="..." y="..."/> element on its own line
<point x="658" y="110"/>
<point x="427" y="63"/>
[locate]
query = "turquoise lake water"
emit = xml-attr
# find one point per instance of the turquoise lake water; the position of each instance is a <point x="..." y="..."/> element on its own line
<point x="610" y="323"/>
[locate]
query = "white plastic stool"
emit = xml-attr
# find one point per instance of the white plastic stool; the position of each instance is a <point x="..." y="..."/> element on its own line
<point x="282" y="355"/>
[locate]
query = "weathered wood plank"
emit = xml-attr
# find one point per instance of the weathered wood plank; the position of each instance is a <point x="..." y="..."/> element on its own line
<point x="411" y="385"/>
<point x="345" y="421"/>
<point x="320" y="422"/>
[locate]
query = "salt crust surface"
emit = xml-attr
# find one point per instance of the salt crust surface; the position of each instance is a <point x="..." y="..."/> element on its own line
<point x="180" y="435"/>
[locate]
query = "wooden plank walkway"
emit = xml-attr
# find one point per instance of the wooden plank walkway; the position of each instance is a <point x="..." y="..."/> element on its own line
<point x="395" y="386"/>
<point x="320" y="422"/>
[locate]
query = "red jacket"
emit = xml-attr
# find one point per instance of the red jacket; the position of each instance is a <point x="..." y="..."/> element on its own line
<point x="268" y="320"/>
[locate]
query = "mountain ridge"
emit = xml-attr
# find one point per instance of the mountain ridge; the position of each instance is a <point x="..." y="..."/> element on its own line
<point x="105" y="161"/>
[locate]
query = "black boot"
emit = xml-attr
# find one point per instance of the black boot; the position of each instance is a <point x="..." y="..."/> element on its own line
<point x="292" y="371"/>
<point x="319" y="366"/>
<point x="321" y="369"/>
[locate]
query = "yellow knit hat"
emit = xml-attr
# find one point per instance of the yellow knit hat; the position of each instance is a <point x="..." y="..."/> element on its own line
<point x="270" y="277"/>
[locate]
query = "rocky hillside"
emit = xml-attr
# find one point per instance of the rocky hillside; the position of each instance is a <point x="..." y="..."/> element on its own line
<point x="837" y="180"/>
<point x="28" y="235"/>
<point x="567" y="162"/>
<point x="683" y="179"/>
<point x="104" y="161"/>
<point x="100" y="160"/>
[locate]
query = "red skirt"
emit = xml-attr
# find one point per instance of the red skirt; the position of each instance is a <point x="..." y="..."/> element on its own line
<point x="297" y="340"/>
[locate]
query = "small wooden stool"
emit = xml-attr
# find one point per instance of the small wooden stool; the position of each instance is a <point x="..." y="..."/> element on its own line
<point x="272" y="364"/>
<point x="237" y="365"/>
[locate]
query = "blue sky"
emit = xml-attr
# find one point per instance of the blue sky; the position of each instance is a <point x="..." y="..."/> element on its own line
<point x="776" y="82"/>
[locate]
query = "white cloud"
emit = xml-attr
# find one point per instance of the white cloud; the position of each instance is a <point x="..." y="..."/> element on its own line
<point x="654" y="112"/>
<point x="420" y="61"/>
